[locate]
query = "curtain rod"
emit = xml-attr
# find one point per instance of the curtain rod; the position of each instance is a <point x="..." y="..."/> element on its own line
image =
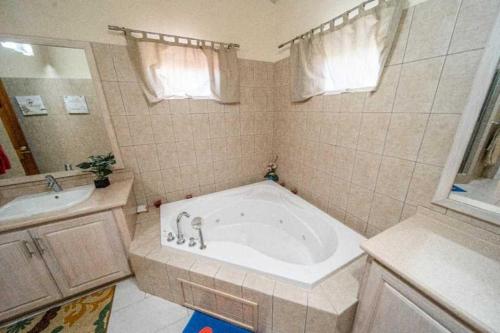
<point x="189" y="41"/>
<point x="344" y="16"/>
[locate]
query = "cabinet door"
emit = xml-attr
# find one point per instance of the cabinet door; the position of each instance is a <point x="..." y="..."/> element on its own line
<point x="82" y="253"/>
<point x="25" y="282"/>
<point x="389" y="305"/>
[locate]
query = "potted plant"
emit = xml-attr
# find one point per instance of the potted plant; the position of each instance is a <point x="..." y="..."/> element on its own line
<point x="101" y="166"/>
<point x="271" y="171"/>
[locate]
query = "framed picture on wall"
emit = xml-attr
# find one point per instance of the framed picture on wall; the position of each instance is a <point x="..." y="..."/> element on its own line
<point x="31" y="105"/>
<point x="76" y="104"/>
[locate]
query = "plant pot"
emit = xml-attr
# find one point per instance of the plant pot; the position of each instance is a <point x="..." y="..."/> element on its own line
<point x="101" y="183"/>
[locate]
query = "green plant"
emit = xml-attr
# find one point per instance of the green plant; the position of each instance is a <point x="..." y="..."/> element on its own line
<point x="100" y="165"/>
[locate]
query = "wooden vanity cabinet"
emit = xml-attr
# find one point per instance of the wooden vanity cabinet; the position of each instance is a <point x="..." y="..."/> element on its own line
<point x="389" y="305"/>
<point x="47" y="263"/>
<point x="82" y="253"/>
<point x="25" y="281"/>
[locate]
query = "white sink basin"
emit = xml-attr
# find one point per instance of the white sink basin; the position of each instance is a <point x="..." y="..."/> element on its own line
<point x="34" y="204"/>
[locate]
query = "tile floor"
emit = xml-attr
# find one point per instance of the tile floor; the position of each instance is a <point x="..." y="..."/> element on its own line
<point x="137" y="312"/>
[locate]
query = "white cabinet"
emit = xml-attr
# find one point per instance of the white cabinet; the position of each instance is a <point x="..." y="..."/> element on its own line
<point x="56" y="260"/>
<point x="82" y="253"/>
<point x="25" y="282"/>
<point x="388" y="305"/>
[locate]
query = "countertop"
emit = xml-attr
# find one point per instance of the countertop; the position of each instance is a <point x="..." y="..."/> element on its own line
<point x="113" y="196"/>
<point x="452" y="267"/>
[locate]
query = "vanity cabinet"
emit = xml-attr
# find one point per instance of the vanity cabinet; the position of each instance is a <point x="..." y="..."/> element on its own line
<point x="83" y="252"/>
<point x="25" y="281"/>
<point x="389" y="305"/>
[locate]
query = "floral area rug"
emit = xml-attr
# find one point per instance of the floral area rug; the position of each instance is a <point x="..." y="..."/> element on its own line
<point x="86" y="314"/>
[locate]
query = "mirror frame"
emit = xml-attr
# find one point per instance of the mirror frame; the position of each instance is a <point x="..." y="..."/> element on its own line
<point x="480" y="86"/>
<point x="101" y="102"/>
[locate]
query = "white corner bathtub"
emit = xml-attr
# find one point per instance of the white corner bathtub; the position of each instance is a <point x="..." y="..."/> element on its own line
<point x="265" y="228"/>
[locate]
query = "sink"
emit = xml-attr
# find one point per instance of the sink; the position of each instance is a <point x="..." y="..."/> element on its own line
<point x="34" y="204"/>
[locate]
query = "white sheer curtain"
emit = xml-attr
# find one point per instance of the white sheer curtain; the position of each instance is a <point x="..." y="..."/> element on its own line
<point x="348" y="57"/>
<point x="170" y="71"/>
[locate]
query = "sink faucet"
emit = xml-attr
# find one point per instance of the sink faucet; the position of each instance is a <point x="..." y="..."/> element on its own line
<point x="53" y="184"/>
<point x="180" y="235"/>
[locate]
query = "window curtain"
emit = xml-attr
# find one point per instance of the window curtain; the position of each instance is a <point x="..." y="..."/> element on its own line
<point x="345" y="58"/>
<point x="173" y="71"/>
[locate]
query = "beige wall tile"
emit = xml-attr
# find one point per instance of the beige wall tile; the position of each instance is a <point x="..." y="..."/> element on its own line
<point x="162" y="128"/>
<point x="348" y="129"/>
<point x="133" y="98"/>
<point x="200" y="126"/>
<point x="399" y="46"/>
<point x="182" y="126"/>
<point x="113" y="98"/>
<point x="438" y="139"/>
<point x="172" y="179"/>
<point x="359" y="202"/>
<point x="355" y="223"/>
<point x="431" y="29"/>
<point x="394" y="177"/>
<point x="423" y="185"/>
<point x="123" y="66"/>
<point x="352" y="102"/>
<point x="365" y="170"/>
<point x="405" y="135"/>
<point x="186" y="152"/>
<point x="385" y="212"/>
<point x="456" y="81"/>
<point x="217" y="125"/>
<point x="473" y="25"/>
<point x="417" y="85"/>
<point x="141" y="130"/>
<point x="382" y="99"/>
<point x="373" y="131"/>
<point x="343" y="163"/>
<point x="167" y="155"/>
<point x="148" y="157"/>
<point x="289" y="302"/>
<point x="104" y="61"/>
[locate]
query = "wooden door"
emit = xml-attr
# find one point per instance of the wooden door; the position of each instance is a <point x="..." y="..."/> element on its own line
<point x="82" y="253"/>
<point x="25" y="281"/>
<point x="15" y="133"/>
<point x="388" y="305"/>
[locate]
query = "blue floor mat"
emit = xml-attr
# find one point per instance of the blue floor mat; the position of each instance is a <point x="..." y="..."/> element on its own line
<point x="202" y="322"/>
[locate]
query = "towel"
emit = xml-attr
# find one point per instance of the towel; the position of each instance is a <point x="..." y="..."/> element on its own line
<point x="4" y="161"/>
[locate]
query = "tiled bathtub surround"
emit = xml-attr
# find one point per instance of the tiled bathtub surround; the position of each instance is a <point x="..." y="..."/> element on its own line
<point x="329" y="307"/>
<point x="371" y="159"/>
<point x="181" y="147"/>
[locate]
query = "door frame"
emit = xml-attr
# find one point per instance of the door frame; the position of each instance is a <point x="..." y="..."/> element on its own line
<point x="15" y="134"/>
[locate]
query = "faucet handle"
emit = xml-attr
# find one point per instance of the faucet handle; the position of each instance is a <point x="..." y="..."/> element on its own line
<point x="192" y="241"/>
<point x="170" y="237"/>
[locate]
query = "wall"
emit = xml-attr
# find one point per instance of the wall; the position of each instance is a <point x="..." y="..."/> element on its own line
<point x="188" y="147"/>
<point x="249" y="23"/>
<point x="371" y="159"/>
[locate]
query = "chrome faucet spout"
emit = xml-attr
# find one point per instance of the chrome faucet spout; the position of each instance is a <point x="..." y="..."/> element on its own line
<point x="53" y="184"/>
<point x="180" y="235"/>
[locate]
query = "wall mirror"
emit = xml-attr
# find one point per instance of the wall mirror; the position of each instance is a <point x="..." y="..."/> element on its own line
<point x="470" y="182"/>
<point x="52" y="109"/>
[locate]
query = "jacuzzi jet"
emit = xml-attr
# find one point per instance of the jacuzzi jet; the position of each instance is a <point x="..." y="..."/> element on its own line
<point x="281" y="221"/>
<point x="242" y="214"/>
<point x="303" y="237"/>
<point x="217" y="221"/>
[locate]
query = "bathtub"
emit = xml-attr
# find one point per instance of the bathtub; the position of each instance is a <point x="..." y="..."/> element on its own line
<point x="264" y="227"/>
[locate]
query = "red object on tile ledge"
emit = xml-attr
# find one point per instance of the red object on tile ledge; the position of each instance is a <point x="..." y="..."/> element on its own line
<point x="189" y="196"/>
<point x="4" y="161"/>
<point x="157" y="203"/>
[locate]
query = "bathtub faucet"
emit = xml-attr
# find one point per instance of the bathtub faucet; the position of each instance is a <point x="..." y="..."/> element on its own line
<point x="180" y="235"/>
